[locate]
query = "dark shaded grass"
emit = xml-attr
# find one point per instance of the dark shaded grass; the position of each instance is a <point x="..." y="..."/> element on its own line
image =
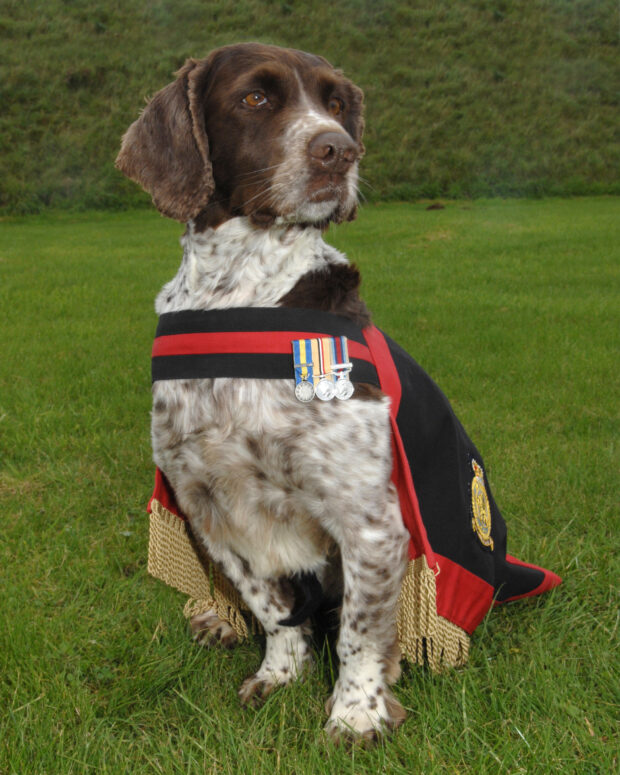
<point x="511" y="306"/>
<point x="464" y="99"/>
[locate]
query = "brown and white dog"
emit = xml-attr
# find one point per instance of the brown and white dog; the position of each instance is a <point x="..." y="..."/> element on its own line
<point x="257" y="149"/>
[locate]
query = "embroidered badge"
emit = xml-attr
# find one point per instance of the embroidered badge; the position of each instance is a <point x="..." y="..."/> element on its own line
<point x="481" y="519"/>
<point x="322" y="369"/>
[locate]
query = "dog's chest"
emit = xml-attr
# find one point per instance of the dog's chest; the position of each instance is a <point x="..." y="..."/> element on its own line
<point x="270" y="466"/>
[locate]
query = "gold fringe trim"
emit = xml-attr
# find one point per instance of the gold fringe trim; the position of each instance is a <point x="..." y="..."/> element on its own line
<point x="424" y="636"/>
<point x="172" y="560"/>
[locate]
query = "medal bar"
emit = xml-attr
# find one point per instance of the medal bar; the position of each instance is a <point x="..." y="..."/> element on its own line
<point x="322" y="369"/>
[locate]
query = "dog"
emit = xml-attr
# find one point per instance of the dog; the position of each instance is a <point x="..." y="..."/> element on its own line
<point x="257" y="149"/>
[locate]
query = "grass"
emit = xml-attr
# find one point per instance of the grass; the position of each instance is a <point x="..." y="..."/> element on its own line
<point x="510" y="305"/>
<point x="464" y="98"/>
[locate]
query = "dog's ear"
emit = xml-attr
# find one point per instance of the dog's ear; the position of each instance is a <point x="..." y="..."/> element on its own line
<point x="356" y="128"/>
<point x="166" y="150"/>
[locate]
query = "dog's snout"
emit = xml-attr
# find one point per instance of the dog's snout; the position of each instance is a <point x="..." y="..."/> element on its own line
<point x="332" y="151"/>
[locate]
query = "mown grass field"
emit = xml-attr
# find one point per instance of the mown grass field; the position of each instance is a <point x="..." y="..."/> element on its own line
<point x="465" y="98"/>
<point x="511" y="305"/>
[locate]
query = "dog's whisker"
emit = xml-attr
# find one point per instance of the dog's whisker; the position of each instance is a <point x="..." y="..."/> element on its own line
<point x="256" y="172"/>
<point x="264" y="191"/>
<point x="273" y="191"/>
<point x="366" y="183"/>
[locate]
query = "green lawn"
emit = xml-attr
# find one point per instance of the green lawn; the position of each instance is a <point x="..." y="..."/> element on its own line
<point x="512" y="306"/>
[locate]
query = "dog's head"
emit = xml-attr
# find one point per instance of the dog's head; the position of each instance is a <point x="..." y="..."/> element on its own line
<point x="250" y="130"/>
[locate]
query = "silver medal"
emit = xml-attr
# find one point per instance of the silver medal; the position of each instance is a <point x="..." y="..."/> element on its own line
<point x="344" y="388"/>
<point x="304" y="391"/>
<point x="325" y="390"/>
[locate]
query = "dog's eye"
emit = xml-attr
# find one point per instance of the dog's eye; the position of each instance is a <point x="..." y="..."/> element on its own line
<point x="255" y="99"/>
<point x="335" y="106"/>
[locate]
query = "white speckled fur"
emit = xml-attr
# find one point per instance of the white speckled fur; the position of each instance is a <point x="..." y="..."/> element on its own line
<point x="270" y="485"/>
<point x="237" y="265"/>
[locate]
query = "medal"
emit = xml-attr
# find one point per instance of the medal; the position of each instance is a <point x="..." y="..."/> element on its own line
<point x="344" y="388"/>
<point x="304" y="391"/>
<point x="303" y="362"/>
<point x="326" y="389"/>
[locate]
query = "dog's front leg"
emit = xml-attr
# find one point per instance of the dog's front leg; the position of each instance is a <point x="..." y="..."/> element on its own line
<point x="270" y="600"/>
<point x="373" y="563"/>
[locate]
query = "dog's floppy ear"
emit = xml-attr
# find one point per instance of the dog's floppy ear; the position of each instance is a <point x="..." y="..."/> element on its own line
<point x="356" y="130"/>
<point x="166" y="150"/>
<point x="355" y="127"/>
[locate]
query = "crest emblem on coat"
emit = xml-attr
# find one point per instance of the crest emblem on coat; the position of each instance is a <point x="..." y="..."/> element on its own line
<point x="481" y="511"/>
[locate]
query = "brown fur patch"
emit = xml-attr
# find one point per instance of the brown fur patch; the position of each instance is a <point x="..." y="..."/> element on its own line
<point x="333" y="289"/>
<point x="166" y="149"/>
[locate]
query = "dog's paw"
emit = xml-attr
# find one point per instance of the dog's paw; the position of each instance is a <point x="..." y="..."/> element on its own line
<point x="355" y="714"/>
<point x="209" y="630"/>
<point x="255" y="690"/>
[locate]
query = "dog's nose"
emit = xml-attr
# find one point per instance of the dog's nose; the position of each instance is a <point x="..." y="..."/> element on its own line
<point x="332" y="151"/>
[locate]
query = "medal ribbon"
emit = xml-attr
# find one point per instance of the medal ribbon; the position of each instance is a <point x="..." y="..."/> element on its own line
<point x="342" y="355"/>
<point x="327" y="357"/>
<point x="303" y="360"/>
